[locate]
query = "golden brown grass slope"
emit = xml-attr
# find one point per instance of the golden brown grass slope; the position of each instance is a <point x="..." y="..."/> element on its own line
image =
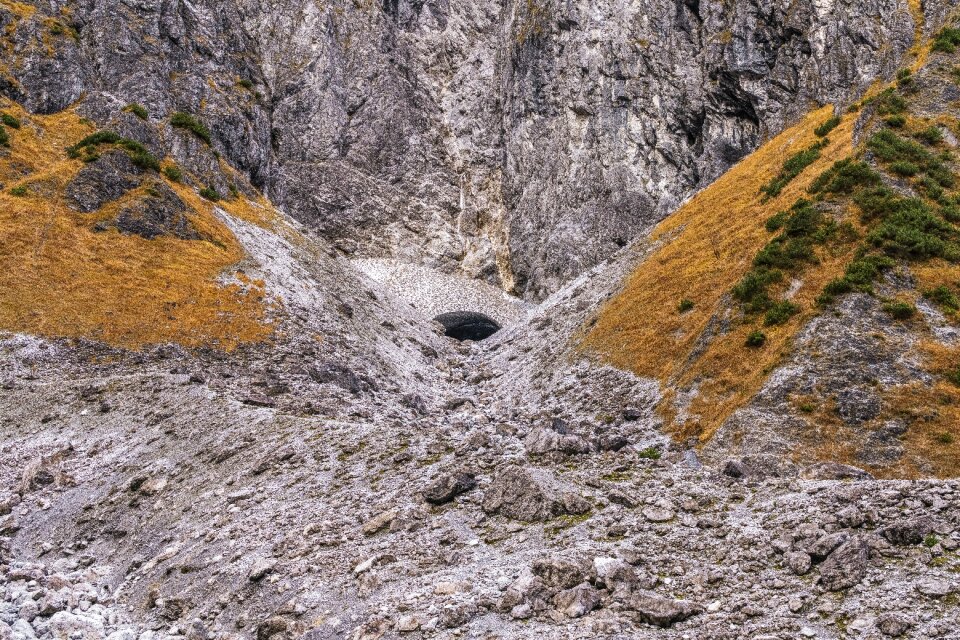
<point x="60" y="278"/>
<point x="704" y="249"/>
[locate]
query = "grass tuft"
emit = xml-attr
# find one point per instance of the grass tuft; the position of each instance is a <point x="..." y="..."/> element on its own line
<point x="183" y="120"/>
<point x="138" y="110"/>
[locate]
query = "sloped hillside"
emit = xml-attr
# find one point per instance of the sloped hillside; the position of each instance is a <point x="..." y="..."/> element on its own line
<point x="109" y="244"/>
<point x="802" y="305"/>
<point x="111" y="250"/>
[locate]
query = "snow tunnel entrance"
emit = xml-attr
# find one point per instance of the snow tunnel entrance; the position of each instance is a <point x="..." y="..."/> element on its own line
<point x="468" y="325"/>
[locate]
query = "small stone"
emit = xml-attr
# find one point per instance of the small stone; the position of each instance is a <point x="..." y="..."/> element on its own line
<point x="934" y="588"/>
<point x="521" y="611"/>
<point x="450" y="588"/>
<point x="365" y="565"/>
<point x="662" y="511"/>
<point x="68" y="626"/>
<point x="577" y="601"/>
<point x="799" y="562"/>
<point x="532" y="495"/>
<point x="893" y="625"/>
<point x="908" y="532"/>
<point x="271" y="626"/>
<point x="808" y="632"/>
<point x="408" y="623"/>
<point x="825" y="545"/>
<point x="378" y="522"/>
<point x="260" y="569"/>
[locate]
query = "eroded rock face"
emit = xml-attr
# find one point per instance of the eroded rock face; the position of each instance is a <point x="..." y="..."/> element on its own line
<point x="103" y="180"/>
<point x="520" y="143"/>
<point x="160" y="212"/>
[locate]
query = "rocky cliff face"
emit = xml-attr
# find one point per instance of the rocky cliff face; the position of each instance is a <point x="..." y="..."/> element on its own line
<point x="518" y="142"/>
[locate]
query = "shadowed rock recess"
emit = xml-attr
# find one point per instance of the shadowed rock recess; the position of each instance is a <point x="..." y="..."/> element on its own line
<point x="490" y="319"/>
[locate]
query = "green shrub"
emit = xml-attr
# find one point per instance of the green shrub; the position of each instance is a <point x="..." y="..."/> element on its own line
<point x="209" y="193"/>
<point x="913" y="231"/>
<point x="145" y="160"/>
<point x="186" y="121"/>
<point x="954" y="376"/>
<point x="890" y="147"/>
<point x="943" y="296"/>
<point x="756" y="339"/>
<point x="946" y="40"/>
<point x="9" y="120"/>
<point x="138" y="110"/>
<point x="945" y="437"/>
<point x="780" y="313"/>
<point x="876" y="202"/>
<point x="899" y="310"/>
<point x="19" y="191"/>
<point x="904" y="77"/>
<point x="784" y="253"/>
<point x="4" y="138"/>
<point x="845" y="176"/>
<point x="685" y="305"/>
<point x="931" y="135"/>
<point x="827" y="127"/>
<point x="775" y="222"/>
<point x="864" y="270"/>
<point x="932" y="188"/>
<point x="896" y="121"/>
<point x="246" y="84"/>
<point x="950" y="212"/>
<point x="173" y="172"/>
<point x="752" y="288"/>
<point x="858" y="276"/>
<point x="650" y="453"/>
<point x="792" y="168"/>
<point x="904" y="168"/>
<point x="86" y="149"/>
<point x="93" y="140"/>
<point x="889" y="102"/>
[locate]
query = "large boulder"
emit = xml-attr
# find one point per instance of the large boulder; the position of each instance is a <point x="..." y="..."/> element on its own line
<point x="908" y="531"/>
<point x="531" y="495"/>
<point x="846" y="566"/>
<point x="449" y="486"/>
<point x="661" y="611"/>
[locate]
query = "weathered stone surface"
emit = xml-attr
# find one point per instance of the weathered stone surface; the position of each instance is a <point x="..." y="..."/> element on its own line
<point x="908" y="531"/>
<point x="577" y="601"/>
<point x="893" y="625"/>
<point x="160" y="213"/>
<point x="660" y="611"/>
<point x="531" y="495"/>
<point x="449" y="486"/>
<point x="105" y="179"/>
<point x="846" y="566"/>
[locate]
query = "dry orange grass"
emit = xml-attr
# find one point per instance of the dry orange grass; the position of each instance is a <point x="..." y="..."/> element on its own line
<point x="58" y="278"/>
<point x="708" y="245"/>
